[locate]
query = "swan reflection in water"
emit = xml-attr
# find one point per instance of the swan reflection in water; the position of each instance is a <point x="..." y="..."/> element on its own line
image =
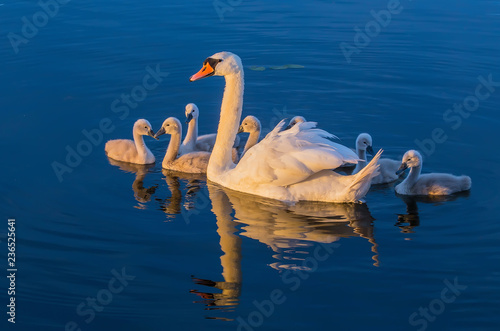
<point x="141" y="194"/>
<point x="292" y="232"/>
<point x="179" y="203"/>
<point x="407" y="222"/>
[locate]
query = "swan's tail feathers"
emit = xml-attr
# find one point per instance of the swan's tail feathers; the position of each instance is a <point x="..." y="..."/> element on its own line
<point x="362" y="180"/>
<point x="466" y="183"/>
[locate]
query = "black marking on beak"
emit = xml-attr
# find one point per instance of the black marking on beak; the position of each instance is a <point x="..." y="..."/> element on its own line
<point x="159" y="133"/>
<point x="152" y="134"/>
<point x="370" y="151"/>
<point x="402" y="168"/>
<point x="189" y="118"/>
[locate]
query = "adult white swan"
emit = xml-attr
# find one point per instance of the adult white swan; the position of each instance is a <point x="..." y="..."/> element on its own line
<point x="428" y="184"/>
<point x="193" y="162"/>
<point x="291" y="165"/>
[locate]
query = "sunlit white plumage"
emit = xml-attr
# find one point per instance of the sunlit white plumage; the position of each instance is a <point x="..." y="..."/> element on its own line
<point x="193" y="162"/>
<point x="387" y="167"/>
<point x="428" y="184"/>
<point x="135" y="151"/>
<point x="290" y="165"/>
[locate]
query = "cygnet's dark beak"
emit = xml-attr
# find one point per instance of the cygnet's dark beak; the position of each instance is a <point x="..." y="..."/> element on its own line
<point x="189" y="118"/>
<point x="402" y="168"/>
<point x="370" y="151"/>
<point x="159" y="133"/>
<point x="240" y="130"/>
<point x="152" y="134"/>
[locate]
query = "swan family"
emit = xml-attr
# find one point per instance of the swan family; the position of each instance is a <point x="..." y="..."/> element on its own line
<point x="291" y="163"/>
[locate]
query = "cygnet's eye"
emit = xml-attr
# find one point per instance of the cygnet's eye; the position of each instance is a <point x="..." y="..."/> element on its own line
<point x="245" y="123"/>
<point x="168" y="124"/>
<point x="145" y="127"/>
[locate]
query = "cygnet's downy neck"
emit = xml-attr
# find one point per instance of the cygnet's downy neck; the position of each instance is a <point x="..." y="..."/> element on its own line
<point x="362" y="156"/>
<point x="141" y="147"/>
<point x="191" y="134"/>
<point x="173" y="147"/>
<point x="253" y="139"/>
<point x="412" y="177"/>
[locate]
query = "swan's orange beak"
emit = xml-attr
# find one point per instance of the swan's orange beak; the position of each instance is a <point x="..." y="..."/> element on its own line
<point x="206" y="71"/>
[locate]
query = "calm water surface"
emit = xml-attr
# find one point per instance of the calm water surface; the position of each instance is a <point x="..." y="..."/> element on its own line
<point x="199" y="257"/>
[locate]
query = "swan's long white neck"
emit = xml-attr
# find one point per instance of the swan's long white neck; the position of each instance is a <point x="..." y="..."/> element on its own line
<point x="139" y="144"/>
<point x="253" y="139"/>
<point x="230" y="115"/>
<point x="191" y="135"/>
<point x="173" y="147"/>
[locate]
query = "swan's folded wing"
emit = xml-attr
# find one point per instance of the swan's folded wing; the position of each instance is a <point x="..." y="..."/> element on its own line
<point x="292" y="156"/>
<point x="276" y="129"/>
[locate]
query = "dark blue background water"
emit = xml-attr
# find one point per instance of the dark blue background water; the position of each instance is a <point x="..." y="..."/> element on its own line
<point x="384" y="260"/>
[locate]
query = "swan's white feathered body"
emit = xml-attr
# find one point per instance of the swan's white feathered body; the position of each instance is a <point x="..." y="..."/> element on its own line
<point x="193" y="162"/>
<point x="135" y="151"/>
<point x="291" y="165"/>
<point x="294" y="165"/>
<point x="428" y="184"/>
<point x="388" y="167"/>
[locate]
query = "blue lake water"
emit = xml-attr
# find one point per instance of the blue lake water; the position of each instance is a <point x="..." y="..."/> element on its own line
<point x="163" y="251"/>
